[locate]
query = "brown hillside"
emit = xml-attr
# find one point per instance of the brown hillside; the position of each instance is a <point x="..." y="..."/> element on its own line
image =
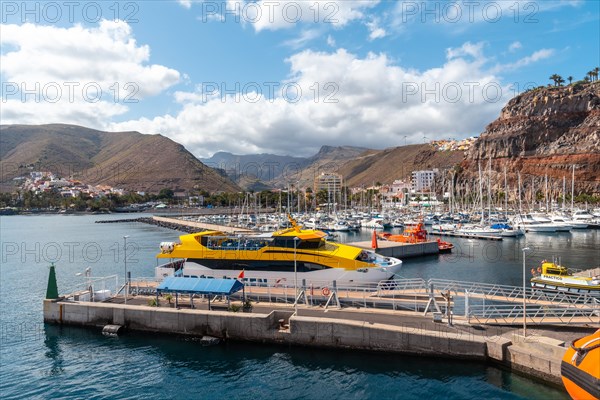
<point x="387" y="165"/>
<point x="128" y="160"/>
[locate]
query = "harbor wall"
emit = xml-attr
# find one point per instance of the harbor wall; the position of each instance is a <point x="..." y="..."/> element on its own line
<point x="536" y="356"/>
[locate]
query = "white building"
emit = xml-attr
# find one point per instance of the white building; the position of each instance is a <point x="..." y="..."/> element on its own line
<point x="329" y="181"/>
<point x="422" y="180"/>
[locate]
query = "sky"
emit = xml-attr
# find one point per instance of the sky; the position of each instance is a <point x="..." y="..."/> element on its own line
<point x="286" y="76"/>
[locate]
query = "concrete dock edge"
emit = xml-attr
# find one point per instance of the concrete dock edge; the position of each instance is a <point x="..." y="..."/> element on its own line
<point x="535" y="356"/>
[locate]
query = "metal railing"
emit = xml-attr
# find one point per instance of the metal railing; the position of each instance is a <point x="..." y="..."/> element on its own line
<point x="94" y="289"/>
<point x="513" y="314"/>
<point x="480" y="302"/>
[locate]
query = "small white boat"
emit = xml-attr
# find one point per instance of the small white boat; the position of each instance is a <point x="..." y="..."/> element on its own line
<point x="556" y="277"/>
<point x="443" y="227"/>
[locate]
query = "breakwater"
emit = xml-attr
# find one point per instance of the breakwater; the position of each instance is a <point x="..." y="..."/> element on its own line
<point x="151" y="221"/>
<point x="538" y="356"/>
<point x="178" y="224"/>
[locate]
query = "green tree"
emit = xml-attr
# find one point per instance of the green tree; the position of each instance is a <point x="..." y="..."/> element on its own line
<point x="166" y="194"/>
<point x="322" y="196"/>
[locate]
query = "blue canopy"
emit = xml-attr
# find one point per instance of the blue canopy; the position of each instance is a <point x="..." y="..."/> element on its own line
<point x="501" y="226"/>
<point x="220" y="287"/>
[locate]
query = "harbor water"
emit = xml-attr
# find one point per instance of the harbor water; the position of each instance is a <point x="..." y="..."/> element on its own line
<point x="39" y="361"/>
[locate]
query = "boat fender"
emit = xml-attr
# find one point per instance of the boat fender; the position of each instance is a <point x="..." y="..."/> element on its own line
<point x="326" y="291"/>
<point x="581" y="352"/>
<point x="167" y="247"/>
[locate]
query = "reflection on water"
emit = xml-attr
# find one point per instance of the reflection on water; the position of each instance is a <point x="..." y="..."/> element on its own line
<point x="163" y="366"/>
<point x="53" y="351"/>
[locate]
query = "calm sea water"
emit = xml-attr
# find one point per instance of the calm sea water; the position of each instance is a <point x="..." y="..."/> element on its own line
<point x="38" y="361"/>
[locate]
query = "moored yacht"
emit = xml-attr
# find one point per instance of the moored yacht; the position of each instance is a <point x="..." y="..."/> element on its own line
<point x="528" y="224"/>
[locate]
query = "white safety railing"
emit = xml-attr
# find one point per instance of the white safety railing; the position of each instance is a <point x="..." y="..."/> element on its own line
<point x="94" y="289"/>
<point x="480" y="302"/>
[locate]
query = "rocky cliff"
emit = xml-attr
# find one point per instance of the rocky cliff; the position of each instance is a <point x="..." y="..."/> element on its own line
<point x="544" y="132"/>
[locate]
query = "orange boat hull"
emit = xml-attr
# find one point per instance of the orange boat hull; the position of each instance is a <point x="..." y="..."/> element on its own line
<point x="580" y="368"/>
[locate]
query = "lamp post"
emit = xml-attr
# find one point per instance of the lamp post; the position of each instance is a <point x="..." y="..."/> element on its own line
<point x="295" y="276"/>
<point x="125" y="262"/>
<point x="525" y="249"/>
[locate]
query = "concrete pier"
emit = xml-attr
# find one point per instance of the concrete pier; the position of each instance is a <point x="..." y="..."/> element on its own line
<point x="400" y="250"/>
<point x="201" y="226"/>
<point x="375" y="330"/>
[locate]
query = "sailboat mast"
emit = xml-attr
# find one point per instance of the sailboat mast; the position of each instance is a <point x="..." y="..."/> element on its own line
<point x="490" y="187"/>
<point x="505" y="191"/>
<point x="564" y="193"/>
<point x="519" y="186"/>
<point x="572" y="188"/>
<point x="480" y="189"/>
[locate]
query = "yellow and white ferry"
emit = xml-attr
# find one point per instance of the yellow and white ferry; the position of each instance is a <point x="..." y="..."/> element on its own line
<point x="272" y="258"/>
<point x="553" y="276"/>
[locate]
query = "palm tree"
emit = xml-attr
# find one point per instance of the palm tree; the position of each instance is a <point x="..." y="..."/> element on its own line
<point x="560" y="81"/>
<point x="570" y="79"/>
<point x="554" y="77"/>
<point x="596" y="71"/>
<point x="590" y="75"/>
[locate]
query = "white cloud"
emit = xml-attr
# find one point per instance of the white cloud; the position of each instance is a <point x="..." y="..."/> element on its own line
<point x="76" y="73"/>
<point x="375" y="31"/>
<point x="330" y="41"/>
<point x="185" y="3"/>
<point x="536" y="56"/>
<point x="368" y="101"/>
<point x="514" y="46"/>
<point x="284" y="14"/>
<point x="305" y="36"/>
<point x="474" y="50"/>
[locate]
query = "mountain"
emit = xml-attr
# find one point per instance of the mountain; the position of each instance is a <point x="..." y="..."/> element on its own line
<point x="543" y="132"/>
<point x="254" y="171"/>
<point x="263" y="171"/>
<point x="128" y="160"/>
<point x="387" y="165"/>
<point x="328" y="159"/>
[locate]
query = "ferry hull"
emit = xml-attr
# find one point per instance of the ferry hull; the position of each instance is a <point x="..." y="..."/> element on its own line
<point x="318" y="278"/>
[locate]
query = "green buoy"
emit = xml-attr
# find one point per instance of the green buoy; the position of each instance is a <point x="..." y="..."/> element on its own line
<point x="52" y="290"/>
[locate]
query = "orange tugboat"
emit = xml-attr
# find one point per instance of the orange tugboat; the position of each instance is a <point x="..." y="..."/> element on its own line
<point x="580" y="368"/>
<point x="415" y="234"/>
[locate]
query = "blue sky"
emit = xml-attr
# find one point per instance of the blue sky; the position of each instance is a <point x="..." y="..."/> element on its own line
<point x="370" y="72"/>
